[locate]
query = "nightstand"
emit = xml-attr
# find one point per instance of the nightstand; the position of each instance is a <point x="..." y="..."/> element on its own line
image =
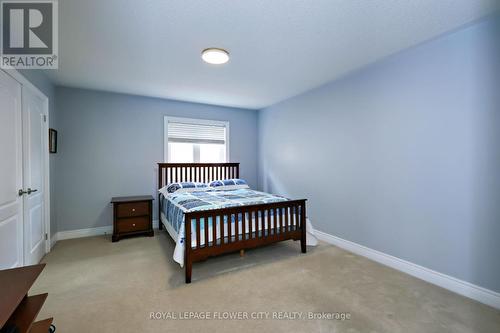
<point x="132" y="216"/>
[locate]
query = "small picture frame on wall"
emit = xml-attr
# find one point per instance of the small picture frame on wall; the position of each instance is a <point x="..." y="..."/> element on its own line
<point x="52" y="141"/>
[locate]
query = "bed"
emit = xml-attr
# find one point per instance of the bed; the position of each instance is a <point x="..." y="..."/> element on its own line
<point x="223" y="221"/>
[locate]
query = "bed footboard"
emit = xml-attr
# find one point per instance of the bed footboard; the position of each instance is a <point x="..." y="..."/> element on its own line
<point x="261" y="224"/>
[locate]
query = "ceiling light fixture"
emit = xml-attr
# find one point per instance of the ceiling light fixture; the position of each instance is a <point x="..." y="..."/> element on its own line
<point x="215" y="56"/>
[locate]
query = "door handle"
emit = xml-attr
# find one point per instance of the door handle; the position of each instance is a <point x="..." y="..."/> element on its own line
<point x="28" y="192"/>
<point x="31" y="191"/>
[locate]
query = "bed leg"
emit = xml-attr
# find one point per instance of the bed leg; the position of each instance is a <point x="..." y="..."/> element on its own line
<point x="242" y="253"/>
<point x="189" y="268"/>
<point x="160" y="224"/>
<point x="188" y="262"/>
<point x="303" y="234"/>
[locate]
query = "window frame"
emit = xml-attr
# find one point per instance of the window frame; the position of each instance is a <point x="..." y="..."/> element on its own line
<point x="167" y="119"/>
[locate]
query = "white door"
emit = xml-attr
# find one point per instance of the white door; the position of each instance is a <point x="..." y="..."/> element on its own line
<point x="35" y="146"/>
<point x="11" y="204"/>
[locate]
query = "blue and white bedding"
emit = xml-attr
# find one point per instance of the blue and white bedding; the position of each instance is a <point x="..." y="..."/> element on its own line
<point x="174" y="205"/>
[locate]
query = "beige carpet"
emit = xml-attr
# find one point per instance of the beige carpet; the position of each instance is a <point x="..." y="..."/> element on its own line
<point x="98" y="286"/>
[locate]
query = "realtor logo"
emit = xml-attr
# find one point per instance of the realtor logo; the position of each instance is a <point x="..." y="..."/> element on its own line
<point x="29" y="34"/>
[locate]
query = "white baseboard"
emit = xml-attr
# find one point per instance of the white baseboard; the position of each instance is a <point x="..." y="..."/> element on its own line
<point x="53" y="240"/>
<point x="79" y="233"/>
<point x="458" y="286"/>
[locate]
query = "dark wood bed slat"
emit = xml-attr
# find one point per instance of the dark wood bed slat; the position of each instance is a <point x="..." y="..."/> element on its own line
<point x="222" y="229"/>
<point x="230" y="228"/>
<point x="243" y="225"/>
<point x="261" y="224"/>
<point x="237" y="226"/>
<point x="214" y="230"/>
<point x="197" y="232"/>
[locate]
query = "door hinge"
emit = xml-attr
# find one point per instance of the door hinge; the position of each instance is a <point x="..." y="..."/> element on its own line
<point x="46" y="236"/>
<point x="44" y="118"/>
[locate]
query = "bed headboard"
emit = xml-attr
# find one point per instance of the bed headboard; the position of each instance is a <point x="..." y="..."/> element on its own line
<point x="195" y="172"/>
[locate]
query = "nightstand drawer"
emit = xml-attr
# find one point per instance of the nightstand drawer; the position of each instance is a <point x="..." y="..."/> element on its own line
<point x="132" y="209"/>
<point x="133" y="224"/>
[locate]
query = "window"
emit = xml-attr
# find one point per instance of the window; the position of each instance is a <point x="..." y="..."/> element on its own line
<point x="196" y="141"/>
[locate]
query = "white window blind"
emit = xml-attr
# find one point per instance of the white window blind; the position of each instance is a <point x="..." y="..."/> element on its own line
<point x="196" y="133"/>
<point x="196" y="140"/>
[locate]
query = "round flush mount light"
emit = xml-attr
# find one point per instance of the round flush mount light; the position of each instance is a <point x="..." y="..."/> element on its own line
<point x="215" y="56"/>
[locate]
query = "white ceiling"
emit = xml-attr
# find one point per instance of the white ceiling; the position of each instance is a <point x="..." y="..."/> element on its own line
<point x="279" y="48"/>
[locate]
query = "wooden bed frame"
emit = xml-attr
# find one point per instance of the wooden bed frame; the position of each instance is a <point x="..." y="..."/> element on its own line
<point x="289" y="216"/>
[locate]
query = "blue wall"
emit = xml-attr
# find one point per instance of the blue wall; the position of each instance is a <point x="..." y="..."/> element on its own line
<point x="402" y="156"/>
<point x="109" y="145"/>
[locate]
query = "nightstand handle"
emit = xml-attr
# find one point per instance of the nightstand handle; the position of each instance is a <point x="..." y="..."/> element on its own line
<point x="133" y="209"/>
<point x="133" y="224"/>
